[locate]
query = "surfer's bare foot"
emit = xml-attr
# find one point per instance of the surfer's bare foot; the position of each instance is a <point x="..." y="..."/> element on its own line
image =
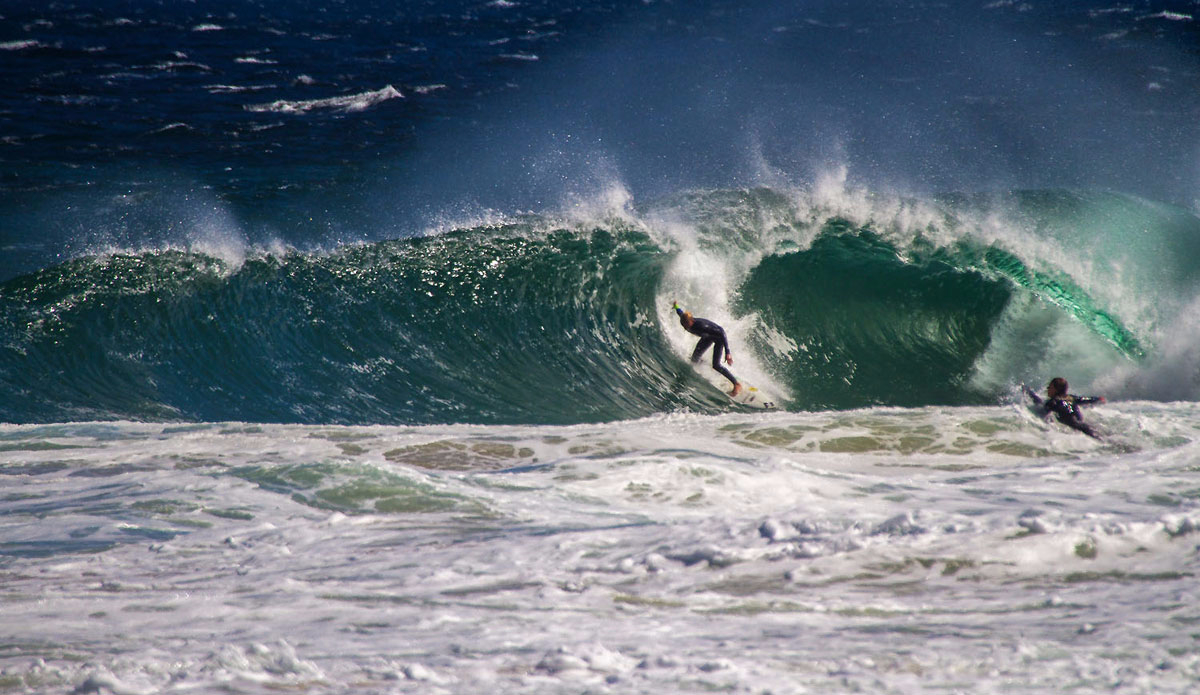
<point x="737" y="388"/>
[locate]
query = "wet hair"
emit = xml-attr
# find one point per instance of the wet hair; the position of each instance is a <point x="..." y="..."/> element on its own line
<point x="685" y="318"/>
<point x="1057" y="387"/>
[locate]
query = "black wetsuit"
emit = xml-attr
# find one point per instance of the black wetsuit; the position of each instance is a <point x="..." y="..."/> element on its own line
<point x="711" y="334"/>
<point x="1066" y="409"/>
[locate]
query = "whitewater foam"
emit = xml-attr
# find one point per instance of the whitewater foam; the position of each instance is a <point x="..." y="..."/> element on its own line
<point x="466" y="558"/>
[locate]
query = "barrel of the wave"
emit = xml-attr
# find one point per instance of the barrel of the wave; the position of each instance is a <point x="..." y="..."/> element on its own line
<point x="710" y="333"/>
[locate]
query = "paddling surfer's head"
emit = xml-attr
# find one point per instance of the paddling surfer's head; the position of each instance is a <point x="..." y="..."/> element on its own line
<point x="1057" y="388"/>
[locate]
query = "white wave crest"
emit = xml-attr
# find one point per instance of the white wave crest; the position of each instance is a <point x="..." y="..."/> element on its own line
<point x="347" y="104"/>
<point x="18" y="45"/>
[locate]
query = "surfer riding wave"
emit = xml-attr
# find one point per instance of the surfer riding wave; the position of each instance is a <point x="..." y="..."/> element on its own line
<point x="710" y="335"/>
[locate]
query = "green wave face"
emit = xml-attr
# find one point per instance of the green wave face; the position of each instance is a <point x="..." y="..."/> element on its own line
<point x="871" y="328"/>
<point x="486" y="325"/>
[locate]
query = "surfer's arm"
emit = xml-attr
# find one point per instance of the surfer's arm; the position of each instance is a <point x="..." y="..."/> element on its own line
<point x="1089" y="400"/>
<point x="1032" y="396"/>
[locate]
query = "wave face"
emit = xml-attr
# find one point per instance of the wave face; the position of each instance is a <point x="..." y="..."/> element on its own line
<point x="881" y="329"/>
<point x="492" y="324"/>
<point x="830" y="303"/>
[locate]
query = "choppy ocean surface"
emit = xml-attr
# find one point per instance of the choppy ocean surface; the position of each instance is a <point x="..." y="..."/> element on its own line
<point x="336" y="350"/>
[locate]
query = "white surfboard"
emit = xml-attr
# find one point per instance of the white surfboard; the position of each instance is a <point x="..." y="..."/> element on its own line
<point x="750" y="396"/>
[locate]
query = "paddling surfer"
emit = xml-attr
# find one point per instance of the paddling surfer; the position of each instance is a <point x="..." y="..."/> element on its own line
<point x="1064" y="406"/>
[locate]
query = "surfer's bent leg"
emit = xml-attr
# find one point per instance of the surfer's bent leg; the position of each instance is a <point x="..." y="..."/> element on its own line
<point x="700" y="348"/>
<point x="718" y="353"/>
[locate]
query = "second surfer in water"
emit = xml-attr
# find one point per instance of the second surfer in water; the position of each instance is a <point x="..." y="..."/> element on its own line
<point x="1063" y="405"/>
<point x="710" y="334"/>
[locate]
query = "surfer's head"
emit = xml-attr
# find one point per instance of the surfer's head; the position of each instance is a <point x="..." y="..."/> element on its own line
<point x="685" y="319"/>
<point x="1057" y="388"/>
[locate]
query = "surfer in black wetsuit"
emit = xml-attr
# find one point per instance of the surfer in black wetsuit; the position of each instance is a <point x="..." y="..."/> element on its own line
<point x="710" y="334"/>
<point x="1064" y="405"/>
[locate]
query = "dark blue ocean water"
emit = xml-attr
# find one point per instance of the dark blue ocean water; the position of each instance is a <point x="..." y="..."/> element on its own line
<point x="207" y="210"/>
<point x="512" y="105"/>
